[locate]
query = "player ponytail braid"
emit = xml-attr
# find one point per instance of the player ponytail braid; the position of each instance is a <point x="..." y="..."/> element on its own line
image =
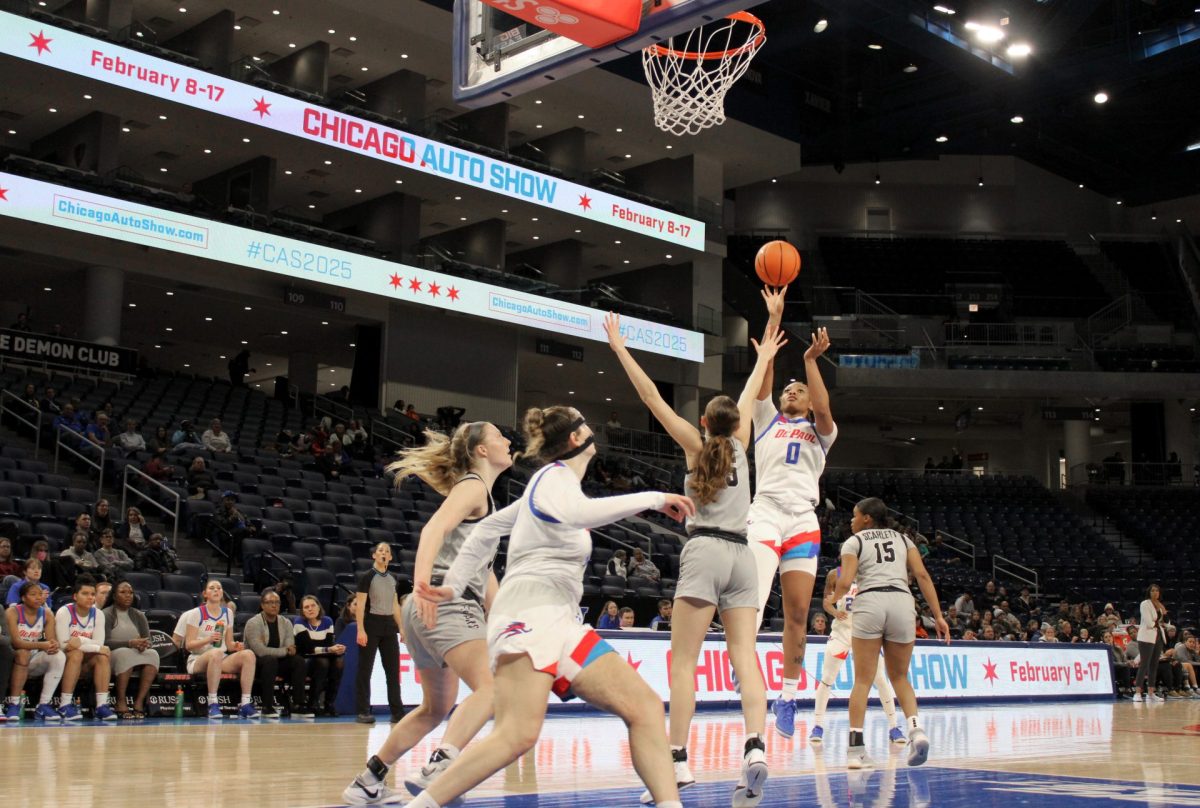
<point x="548" y="432"/>
<point x="442" y="461"/>
<point x="715" y="461"/>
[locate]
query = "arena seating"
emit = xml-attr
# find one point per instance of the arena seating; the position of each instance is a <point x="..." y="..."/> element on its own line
<point x="1147" y="266"/>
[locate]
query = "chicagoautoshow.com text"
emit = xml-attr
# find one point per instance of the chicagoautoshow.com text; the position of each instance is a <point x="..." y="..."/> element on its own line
<point x="130" y="222"/>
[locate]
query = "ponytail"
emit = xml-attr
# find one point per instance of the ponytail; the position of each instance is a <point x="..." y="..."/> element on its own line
<point x="715" y="461"/>
<point x="442" y="461"/>
<point x="548" y="432"/>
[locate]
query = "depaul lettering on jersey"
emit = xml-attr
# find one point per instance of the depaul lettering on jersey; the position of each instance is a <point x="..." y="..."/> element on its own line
<point x="43" y="44"/>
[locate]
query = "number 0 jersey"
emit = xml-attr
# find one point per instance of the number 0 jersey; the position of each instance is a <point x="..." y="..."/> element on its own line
<point x="882" y="559"/>
<point x="789" y="457"/>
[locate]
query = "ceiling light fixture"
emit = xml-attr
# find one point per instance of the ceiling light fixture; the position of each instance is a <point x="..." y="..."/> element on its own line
<point x="1017" y="119"/>
<point x="944" y="10"/>
<point x="877" y="180"/>
<point x="941" y="138"/>
<point x="1019" y="50"/>
<point x="821" y="25"/>
<point x="981" y="181"/>
<point x="910" y="68"/>
<point x="1100" y="97"/>
<point x="874" y="46"/>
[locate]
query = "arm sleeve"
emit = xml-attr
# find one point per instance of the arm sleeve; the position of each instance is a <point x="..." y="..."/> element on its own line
<point x="557" y="493"/>
<point x="62" y="625"/>
<point x="97" y="641"/>
<point x="480" y="547"/>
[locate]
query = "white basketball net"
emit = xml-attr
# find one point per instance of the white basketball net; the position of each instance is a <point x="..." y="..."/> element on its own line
<point x="689" y="74"/>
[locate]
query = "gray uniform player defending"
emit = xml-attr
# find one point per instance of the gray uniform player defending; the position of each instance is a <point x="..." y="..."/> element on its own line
<point x="717" y="570"/>
<point x="880" y="560"/>
<point x="447" y="641"/>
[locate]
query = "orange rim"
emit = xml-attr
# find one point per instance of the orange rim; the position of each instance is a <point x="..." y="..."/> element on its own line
<point x="740" y="16"/>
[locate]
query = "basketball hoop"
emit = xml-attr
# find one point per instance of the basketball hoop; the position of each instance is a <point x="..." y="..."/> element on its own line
<point x="688" y="81"/>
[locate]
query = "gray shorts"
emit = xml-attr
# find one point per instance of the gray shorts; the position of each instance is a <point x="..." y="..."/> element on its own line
<point x="126" y="659"/>
<point x="890" y="615"/>
<point x="458" y="621"/>
<point x="719" y="572"/>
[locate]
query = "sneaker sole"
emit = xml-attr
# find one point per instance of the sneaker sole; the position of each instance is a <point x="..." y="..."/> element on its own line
<point x="353" y="796"/>
<point x="817" y="741"/>
<point x="919" y="752"/>
<point x="858" y="764"/>
<point x="756" y="776"/>
<point x="648" y="799"/>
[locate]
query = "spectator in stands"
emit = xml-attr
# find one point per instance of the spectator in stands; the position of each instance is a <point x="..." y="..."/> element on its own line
<point x="157" y="468"/>
<point x="627" y="617"/>
<point x="22" y="323"/>
<point x="610" y="617"/>
<point x="411" y="412"/>
<point x="922" y="634"/>
<point x="664" y="613"/>
<point x="68" y="419"/>
<point x="133" y="532"/>
<point x="81" y="627"/>
<point x="1048" y="633"/>
<point x="323" y="658"/>
<point x="239" y="366"/>
<point x="199" y="479"/>
<point x="103" y="590"/>
<point x="130" y="440"/>
<point x="334" y="460"/>
<point x="185" y="437"/>
<point x="1110" y="619"/>
<point x="78" y="552"/>
<point x="32" y="574"/>
<point x="1026" y="604"/>
<point x="128" y="635"/>
<point x="990" y="597"/>
<point x="273" y="641"/>
<point x="346" y="618"/>
<point x="161" y="440"/>
<point x="1065" y="631"/>
<point x="1187" y="654"/>
<point x="643" y="567"/>
<point x="101" y="521"/>
<point x="1122" y="675"/>
<point x="110" y="560"/>
<point x="930" y="467"/>
<point x="356" y="440"/>
<point x="208" y="639"/>
<point x="1033" y="630"/>
<point x="9" y="566"/>
<point x="377" y="612"/>
<point x="617" y="565"/>
<point x="989" y="633"/>
<point x="98" y="432"/>
<point x="49" y="403"/>
<point x="36" y="651"/>
<point x="230" y="525"/>
<point x="954" y="621"/>
<point x="398" y="407"/>
<point x="819" y="625"/>
<point x="965" y="604"/>
<point x="285" y="589"/>
<point x="156" y="557"/>
<point x="215" y="439"/>
<point x="30" y="397"/>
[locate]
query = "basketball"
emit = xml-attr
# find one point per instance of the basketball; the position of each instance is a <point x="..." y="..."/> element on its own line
<point x="777" y="263"/>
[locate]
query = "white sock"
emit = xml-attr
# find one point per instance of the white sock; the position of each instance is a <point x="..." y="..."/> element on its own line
<point x="423" y="800"/>
<point x="14" y="699"/>
<point x="65" y="699"/>
<point x="790" y="686"/>
<point x="823" y="693"/>
<point x="914" y="722"/>
<point x="101" y="699"/>
<point x="245" y="699"/>
<point x="668" y="804"/>
<point x="212" y="699"/>
<point x="676" y="748"/>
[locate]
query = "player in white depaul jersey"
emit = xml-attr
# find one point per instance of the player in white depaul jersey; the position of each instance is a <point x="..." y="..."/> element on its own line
<point x="36" y="652"/>
<point x="81" y="626"/>
<point x="536" y="638"/>
<point x="790" y="444"/>
<point x="880" y="560"/>
<point x="836" y="651"/>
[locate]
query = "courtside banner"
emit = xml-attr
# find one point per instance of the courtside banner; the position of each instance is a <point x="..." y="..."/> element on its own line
<point x="104" y="61"/>
<point x="71" y="209"/>
<point x="974" y="671"/>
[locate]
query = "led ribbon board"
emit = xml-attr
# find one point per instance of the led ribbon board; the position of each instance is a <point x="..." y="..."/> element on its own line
<point x="104" y="61"/>
<point x="80" y="211"/>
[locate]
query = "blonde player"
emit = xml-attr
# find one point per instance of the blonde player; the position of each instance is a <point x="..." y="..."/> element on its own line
<point x="537" y="642"/>
<point x="836" y="651"/>
<point x="447" y="641"/>
<point x="208" y="639"/>
<point x="790" y="444"/>
<point x="880" y="560"/>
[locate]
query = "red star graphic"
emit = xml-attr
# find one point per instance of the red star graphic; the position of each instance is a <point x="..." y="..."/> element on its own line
<point x="414" y="285"/>
<point x="989" y="671"/>
<point x="41" y="42"/>
<point x="585" y="202"/>
<point x="395" y="281"/>
<point x="434" y="289"/>
<point x="262" y="107"/>
<point x="452" y="293"/>
<point x="632" y="663"/>
<point x="4" y="194"/>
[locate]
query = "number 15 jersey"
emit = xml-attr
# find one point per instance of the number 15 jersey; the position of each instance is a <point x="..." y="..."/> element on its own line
<point x="882" y="559"/>
<point x="789" y="457"/>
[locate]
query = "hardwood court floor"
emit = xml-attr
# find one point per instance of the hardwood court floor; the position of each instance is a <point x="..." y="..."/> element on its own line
<point x="1060" y="754"/>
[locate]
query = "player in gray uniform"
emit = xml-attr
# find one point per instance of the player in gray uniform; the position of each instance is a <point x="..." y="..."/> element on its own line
<point x="447" y="642"/>
<point x="879" y="559"/>
<point x="717" y="571"/>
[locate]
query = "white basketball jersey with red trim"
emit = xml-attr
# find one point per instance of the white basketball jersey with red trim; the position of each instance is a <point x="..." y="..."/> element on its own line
<point x="789" y="458"/>
<point x="31" y="632"/>
<point x="82" y="626"/>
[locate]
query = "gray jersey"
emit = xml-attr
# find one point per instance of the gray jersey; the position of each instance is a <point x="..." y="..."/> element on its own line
<point x="454" y="542"/>
<point x="727" y="513"/>
<point x="882" y="559"/>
